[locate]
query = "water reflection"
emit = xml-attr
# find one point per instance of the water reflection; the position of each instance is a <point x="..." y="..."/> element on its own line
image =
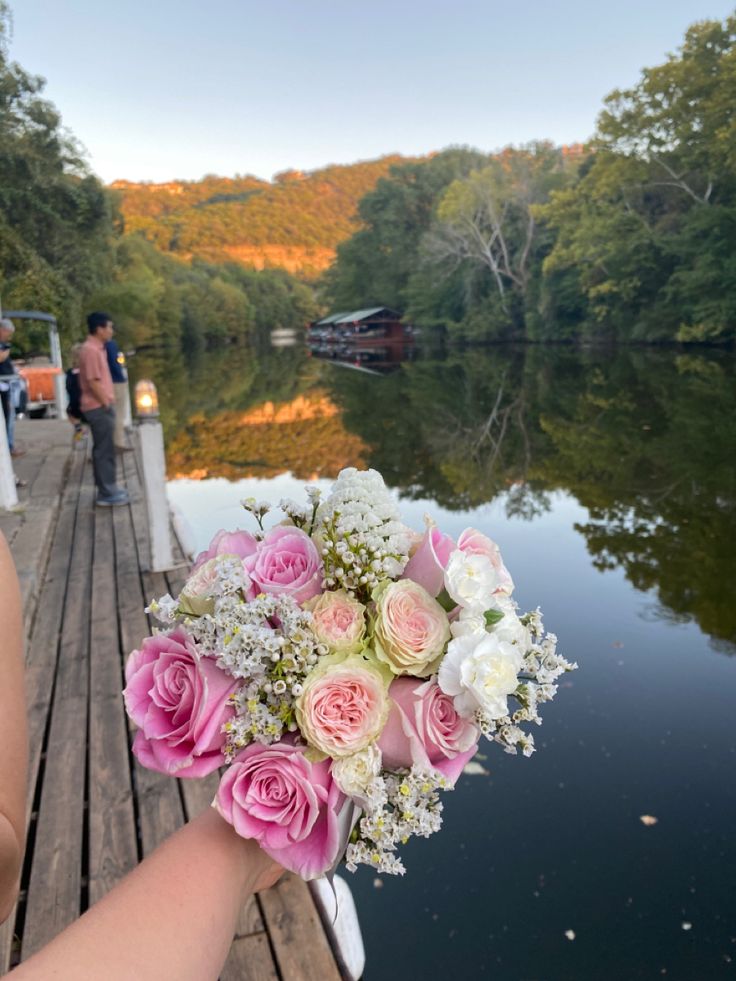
<point x="304" y="436"/>
<point x="644" y="440"/>
<point x="377" y="357"/>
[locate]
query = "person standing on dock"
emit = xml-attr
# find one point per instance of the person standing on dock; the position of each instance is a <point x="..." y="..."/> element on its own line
<point x="98" y="406"/>
<point x="116" y="363"/>
<point x="7" y="379"/>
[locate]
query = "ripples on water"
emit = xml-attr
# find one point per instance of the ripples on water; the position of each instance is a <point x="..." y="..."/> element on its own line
<point x="609" y="481"/>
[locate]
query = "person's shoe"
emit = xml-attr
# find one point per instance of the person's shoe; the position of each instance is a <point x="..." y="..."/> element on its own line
<point x="17" y="452"/>
<point x="110" y="502"/>
<point x="123" y="449"/>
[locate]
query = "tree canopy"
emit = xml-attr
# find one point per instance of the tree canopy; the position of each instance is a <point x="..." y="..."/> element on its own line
<point x="631" y="238"/>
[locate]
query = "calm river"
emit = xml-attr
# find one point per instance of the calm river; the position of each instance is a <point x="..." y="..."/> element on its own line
<point x="608" y="478"/>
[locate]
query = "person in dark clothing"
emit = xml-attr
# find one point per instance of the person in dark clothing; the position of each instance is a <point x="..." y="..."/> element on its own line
<point x="116" y="363"/>
<point x="74" y="395"/>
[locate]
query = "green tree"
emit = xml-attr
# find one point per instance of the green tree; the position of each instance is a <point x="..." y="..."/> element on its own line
<point x="55" y="224"/>
<point x="375" y="265"/>
<point x="649" y="229"/>
<point x="489" y="220"/>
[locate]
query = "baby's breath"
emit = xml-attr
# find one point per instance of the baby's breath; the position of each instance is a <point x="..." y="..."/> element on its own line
<point x="542" y="666"/>
<point x="362" y="537"/>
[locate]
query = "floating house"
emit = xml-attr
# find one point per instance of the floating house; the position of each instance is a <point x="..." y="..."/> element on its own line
<point x="374" y="323"/>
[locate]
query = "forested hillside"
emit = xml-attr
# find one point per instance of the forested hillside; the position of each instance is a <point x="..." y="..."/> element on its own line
<point x="63" y="248"/>
<point x="294" y="223"/>
<point x="632" y="238"/>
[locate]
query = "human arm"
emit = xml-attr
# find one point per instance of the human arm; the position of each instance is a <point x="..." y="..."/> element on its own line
<point x="4" y="353"/>
<point x="174" y="916"/>
<point x="13" y="735"/>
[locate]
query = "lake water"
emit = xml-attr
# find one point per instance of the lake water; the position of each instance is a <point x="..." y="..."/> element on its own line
<point x="608" y="478"/>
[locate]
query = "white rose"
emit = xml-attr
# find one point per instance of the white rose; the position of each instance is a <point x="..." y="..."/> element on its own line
<point x="471" y="580"/>
<point x="355" y="774"/>
<point x="511" y="630"/>
<point x="469" y="624"/>
<point x="479" y="673"/>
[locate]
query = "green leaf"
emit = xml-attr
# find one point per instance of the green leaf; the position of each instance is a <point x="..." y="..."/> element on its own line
<point x="492" y="617"/>
<point x="446" y="601"/>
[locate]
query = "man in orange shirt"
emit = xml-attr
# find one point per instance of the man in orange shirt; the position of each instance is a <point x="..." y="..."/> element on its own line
<point x="98" y="406"/>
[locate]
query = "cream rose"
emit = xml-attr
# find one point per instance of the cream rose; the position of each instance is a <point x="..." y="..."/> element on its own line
<point x="410" y="629"/>
<point x="197" y="596"/>
<point x="343" y="706"/>
<point x="355" y="774"/>
<point x="339" y="621"/>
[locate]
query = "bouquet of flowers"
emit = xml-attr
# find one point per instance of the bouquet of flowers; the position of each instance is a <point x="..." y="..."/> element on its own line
<point x="341" y="669"/>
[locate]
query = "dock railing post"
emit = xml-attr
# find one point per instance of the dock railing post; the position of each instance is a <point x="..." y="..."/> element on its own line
<point x="153" y="460"/>
<point x="59" y="380"/>
<point x="8" y="493"/>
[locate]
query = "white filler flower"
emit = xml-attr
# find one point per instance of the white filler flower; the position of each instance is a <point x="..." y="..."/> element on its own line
<point x="479" y="673"/>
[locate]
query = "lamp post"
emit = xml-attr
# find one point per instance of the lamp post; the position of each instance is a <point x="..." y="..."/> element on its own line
<point x="151" y="436"/>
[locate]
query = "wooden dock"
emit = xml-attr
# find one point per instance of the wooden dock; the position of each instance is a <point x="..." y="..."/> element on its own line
<point x="94" y="812"/>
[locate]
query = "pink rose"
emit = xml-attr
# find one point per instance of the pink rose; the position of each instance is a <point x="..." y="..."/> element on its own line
<point x="473" y="542"/>
<point x="286" y="562"/>
<point x="343" y="705"/>
<point x="338" y="621"/>
<point x="240" y="543"/>
<point x="424" y="729"/>
<point x="180" y="700"/>
<point x="427" y="564"/>
<point x="410" y="628"/>
<point x="291" y="807"/>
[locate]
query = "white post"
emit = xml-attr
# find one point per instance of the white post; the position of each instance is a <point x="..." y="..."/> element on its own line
<point x="59" y="380"/>
<point x="151" y="435"/>
<point x="8" y="493"/>
<point x="128" y="414"/>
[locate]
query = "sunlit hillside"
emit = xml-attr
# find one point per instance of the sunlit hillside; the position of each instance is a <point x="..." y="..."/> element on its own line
<point x="293" y="223"/>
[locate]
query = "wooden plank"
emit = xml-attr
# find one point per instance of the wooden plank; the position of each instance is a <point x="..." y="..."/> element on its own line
<point x="250" y="920"/>
<point x="50" y="476"/>
<point x="199" y="794"/>
<point x="298" y="939"/>
<point x="54" y="891"/>
<point x="41" y="656"/>
<point x="250" y="959"/>
<point x="160" y="810"/>
<point x="113" y="849"/>
<point x="134" y="485"/>
<point x="30" y="553"/>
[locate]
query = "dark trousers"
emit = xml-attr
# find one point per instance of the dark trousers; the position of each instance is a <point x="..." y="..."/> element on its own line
<point x="102" y="424"/>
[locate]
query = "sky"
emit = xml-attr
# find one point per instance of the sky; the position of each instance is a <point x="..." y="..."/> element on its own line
<point x="159" y="90"/>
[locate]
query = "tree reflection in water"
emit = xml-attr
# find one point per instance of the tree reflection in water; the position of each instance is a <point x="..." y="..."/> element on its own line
<point x="644" y="439"/>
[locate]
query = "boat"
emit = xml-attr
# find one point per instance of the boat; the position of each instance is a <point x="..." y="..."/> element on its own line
<point x="43" y="377"/>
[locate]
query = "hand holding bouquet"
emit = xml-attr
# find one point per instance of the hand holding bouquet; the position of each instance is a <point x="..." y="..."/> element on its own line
<point x="341" y="668"/>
